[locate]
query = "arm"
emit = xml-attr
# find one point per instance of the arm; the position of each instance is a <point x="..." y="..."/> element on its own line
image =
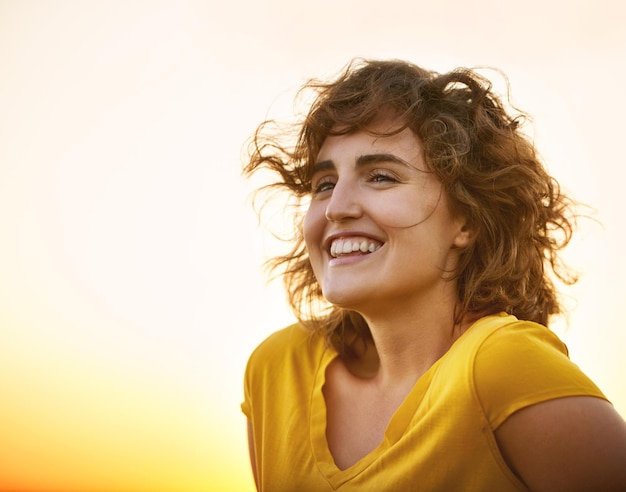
<point x="252" y="454"/>
<point x="567" y="444"/>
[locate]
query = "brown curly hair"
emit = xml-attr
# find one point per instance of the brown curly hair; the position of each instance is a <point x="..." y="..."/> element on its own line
<point x="489" y="169"/>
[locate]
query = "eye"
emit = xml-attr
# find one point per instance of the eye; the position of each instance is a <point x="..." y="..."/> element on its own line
<point x="382" y="176"/>
<point x="323" y="184"/>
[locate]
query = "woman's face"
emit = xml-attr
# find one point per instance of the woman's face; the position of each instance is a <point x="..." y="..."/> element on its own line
<point x="379" y="231"/>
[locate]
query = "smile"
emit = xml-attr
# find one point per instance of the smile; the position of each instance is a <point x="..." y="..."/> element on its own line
<point x="351" y="246"/>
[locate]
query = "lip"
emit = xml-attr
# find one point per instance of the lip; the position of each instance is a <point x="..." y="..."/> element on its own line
<point x="344" y="260"/>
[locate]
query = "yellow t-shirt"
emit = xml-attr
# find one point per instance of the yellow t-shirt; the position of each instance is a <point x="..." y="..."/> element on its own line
<point x="441" y="437"/>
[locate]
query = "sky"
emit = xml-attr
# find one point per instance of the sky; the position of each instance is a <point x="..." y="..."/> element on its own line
<point x="131" y="281"/>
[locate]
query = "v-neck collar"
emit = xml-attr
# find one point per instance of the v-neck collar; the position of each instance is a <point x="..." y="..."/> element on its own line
<point x="395" y="429"/>
<point x="397" y="426"/>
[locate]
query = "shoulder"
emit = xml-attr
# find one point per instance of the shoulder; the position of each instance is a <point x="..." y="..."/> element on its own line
<point x="553" y="426"/>
<point x="285" y="347"/>
<point x="498" y="342"/>
<point x="507" y="341"/>
<point x="292" y="337"/>
<point x="505" y="330"/>
<point x="520" y="363"/>
<point x="281" y="365"/>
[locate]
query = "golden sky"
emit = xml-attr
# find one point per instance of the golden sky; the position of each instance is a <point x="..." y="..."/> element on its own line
<point x="131" y="290"/>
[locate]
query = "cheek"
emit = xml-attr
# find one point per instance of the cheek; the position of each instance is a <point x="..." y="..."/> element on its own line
<point x="312" y="227"/>
<point x="402" y="212"/>
<point x="313" y="230"/>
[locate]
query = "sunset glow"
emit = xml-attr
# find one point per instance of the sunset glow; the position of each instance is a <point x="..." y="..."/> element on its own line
<point x="131" y="287"/>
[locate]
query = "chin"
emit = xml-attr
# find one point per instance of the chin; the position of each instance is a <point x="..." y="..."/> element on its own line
<point x="339" y="299"/>
<point x="347" y="298"/>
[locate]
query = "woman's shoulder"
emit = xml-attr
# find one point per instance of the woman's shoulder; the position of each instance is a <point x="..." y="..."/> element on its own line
<point x="504" y="335"/>
<point x="518" y="363"/>
<point x="506" y="345"/>
<point x="287" y="345"/>
<point x="505" y="332"/>
<point x="290" y="337"/>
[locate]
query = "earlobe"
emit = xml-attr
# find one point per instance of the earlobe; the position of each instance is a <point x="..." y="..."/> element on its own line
<point x="463" y="236"/>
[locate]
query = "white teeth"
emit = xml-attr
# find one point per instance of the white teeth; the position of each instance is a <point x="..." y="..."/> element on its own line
<point x="346" y="246"/>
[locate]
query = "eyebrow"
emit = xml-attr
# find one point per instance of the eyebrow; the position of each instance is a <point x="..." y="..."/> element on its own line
<point x="363" y="160"/>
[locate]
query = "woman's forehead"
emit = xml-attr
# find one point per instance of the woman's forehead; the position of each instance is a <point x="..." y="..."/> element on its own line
<point x="382" y="137"/>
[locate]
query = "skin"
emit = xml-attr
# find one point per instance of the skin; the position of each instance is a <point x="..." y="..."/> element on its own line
<point x="575" y="444"/>
<point x="379" y="189"/>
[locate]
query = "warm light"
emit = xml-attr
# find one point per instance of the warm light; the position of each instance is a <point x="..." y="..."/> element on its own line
<point x="131" y="292"/>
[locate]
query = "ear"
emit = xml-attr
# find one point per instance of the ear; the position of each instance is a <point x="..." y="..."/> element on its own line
<point x="463" y="235"/>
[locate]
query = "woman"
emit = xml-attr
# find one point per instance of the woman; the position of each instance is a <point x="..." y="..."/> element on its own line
<point x="420" y="279"/>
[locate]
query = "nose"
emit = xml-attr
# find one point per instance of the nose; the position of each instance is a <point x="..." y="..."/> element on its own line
<point x="344" y="202"/>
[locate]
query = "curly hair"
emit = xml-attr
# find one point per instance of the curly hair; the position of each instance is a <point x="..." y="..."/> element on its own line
<point x="489" y="169"/>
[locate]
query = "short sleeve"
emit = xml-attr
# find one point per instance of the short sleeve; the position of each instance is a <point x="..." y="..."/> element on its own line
<point x="522" y="364"/>
<point x="252" y="369"/>
<point x="245" y="405"/>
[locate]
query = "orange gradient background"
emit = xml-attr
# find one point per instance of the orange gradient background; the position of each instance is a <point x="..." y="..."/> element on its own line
<point x="131" y="290"/>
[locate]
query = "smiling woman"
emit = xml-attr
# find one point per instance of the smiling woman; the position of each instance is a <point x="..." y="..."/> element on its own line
<point x="379" y="192"/>
<point x="421" y="278"/>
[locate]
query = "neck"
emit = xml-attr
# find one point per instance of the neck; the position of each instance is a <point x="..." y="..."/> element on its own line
<point x="408" y="342"/>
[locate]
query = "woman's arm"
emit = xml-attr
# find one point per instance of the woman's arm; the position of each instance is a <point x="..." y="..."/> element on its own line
<point x="568" y="444"/>
<point x="252" y="455"/>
